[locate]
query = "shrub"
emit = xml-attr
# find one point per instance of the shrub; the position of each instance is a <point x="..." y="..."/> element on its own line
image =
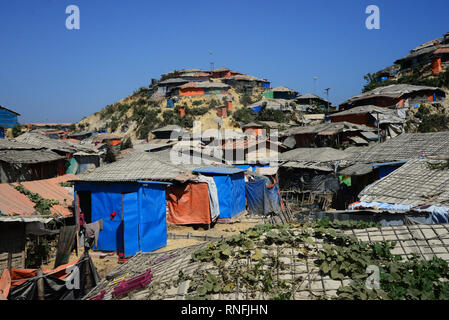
<point x="17" y="130"/>
<point x="244" y="115"/>
<point x="126" y="144"/>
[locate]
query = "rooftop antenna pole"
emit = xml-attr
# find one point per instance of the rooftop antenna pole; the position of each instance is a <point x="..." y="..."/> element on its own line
<point x="314" y="84"/>
<point x="212" y="63"/>
<point x="327" y="97"/>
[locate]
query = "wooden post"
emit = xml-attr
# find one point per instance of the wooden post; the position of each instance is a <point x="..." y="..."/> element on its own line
<point x="9" y="263"/>
<point x="40" y="285"/>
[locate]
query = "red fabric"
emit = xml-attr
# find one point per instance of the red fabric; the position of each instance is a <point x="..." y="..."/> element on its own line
<point x="189" y="204"/>
<point x="113" y="215"/>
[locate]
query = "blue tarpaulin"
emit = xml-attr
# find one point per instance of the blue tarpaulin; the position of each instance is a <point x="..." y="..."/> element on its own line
<point x="257" y="109"/>
<point x="262" y="200"/>
<point x="230" y="184"/>
<point x="133" y="214"/>
<point x="8" y="118"/>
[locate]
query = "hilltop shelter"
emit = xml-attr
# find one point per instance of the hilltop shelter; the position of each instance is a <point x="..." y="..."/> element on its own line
<point x="8" y="119"/>
<point x="281" y="93"/>
<point x="230" y="184"/>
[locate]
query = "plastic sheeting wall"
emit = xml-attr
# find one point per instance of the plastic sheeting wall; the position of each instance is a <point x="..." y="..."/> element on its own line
<point x="189" y="204"/>
<point x="262" y="200"/>
<point x="133" y="216"/>
<point x="231" y="194"/>
<point x="8" y="119"/>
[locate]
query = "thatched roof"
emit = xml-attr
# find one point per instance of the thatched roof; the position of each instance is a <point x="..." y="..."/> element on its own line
<point x="407" y="146"/>
<point x="53" y="144"/>
<point x="334" y="127"/>
<point x="391" y="91"/>
<point x="415" y="183"/>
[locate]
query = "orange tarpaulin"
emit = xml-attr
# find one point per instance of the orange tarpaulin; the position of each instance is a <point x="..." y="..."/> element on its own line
<point x="5" y="284"/>
<point x="189" y="204"/>
<point x="24" y="274"/>
<point x="436" y="66"/>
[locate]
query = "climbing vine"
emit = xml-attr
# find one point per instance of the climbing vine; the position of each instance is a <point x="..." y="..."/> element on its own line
<point x="244" y="260"/>
<point x="41" y="205"/>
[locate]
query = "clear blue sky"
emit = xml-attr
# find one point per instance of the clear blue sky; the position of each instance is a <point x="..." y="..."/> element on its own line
<point x="49" y="73"/>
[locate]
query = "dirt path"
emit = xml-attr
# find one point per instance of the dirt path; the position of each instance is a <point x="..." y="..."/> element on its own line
<point x="105" y="262"/>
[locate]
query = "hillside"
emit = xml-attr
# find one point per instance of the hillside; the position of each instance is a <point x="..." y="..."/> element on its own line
<point x="139" y="113"/>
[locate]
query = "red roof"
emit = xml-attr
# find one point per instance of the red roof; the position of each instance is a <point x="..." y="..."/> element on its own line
<point x="441" y="50"/>
<point x="13" y="202"/>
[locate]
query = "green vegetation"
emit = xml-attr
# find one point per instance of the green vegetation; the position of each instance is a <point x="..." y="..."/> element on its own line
<point x="431" y="122"/>
<point x="244" y="115"/>
<point x="340" y="256"/>
<point x="245" y="100"/>
<point x="126" y="144"/>
<point x="41" y="205"/>
<point x="415" y="78"/>
<point x="110" y="155"/>
<point x="271" y="115"/>
<point x="17" y="130"/>
<point x="345" y="225"/>
<point x="439" y="165"/>
<point x="37" y="251"/>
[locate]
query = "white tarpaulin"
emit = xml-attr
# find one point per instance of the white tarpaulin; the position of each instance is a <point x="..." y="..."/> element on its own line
<point x="213" y="195"/>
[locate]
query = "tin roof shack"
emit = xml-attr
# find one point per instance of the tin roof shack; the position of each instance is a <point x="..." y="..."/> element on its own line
<point x="203" y="88"/>
<point x="80" y="135"/>
<point x="390" y="124"/>
<point x="333" y="134"/>
<point x="195" y="76"/>
<point x="8" y="119"/>
<point x="129" y="196"/>
<point x="377" y="161"/>
<point x="20" y="216"/>
<point x="166" y="137"/>
<point x="420" y="185"/>
<point x="251" y="148"/>
<point x="309" y="102"/>
<point x="244" y="81"/>
<point x="223" y="73"/>
<point x="80" y="157"/>
<point x="307" y="175"/>
<point x="390" y="72"/>
<point x="272" y="104"/>
<point x="281" y="93"/>
<point x="425" y="55"/>
<point x="23" y="162"/>
<point x="395" y="96"/>
<point x="107" y="138"/>
<point x="170" y="86"/>
<point x="253" y="128"/>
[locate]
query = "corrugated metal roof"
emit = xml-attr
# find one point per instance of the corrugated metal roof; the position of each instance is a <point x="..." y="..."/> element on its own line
<point x="13" y="202"/>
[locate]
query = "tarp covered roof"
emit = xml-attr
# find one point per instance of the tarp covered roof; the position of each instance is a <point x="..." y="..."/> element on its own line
<point x="218" y="170"/>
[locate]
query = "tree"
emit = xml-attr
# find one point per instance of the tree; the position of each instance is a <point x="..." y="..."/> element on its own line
<point x="17" y="130"/>
<point x="126" y="144"/>
<point x="245" y="99"/>
<point x="110" y="155"/>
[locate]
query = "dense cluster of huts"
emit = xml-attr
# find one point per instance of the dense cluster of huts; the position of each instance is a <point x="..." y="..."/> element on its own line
<point x="350" y="162"/>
